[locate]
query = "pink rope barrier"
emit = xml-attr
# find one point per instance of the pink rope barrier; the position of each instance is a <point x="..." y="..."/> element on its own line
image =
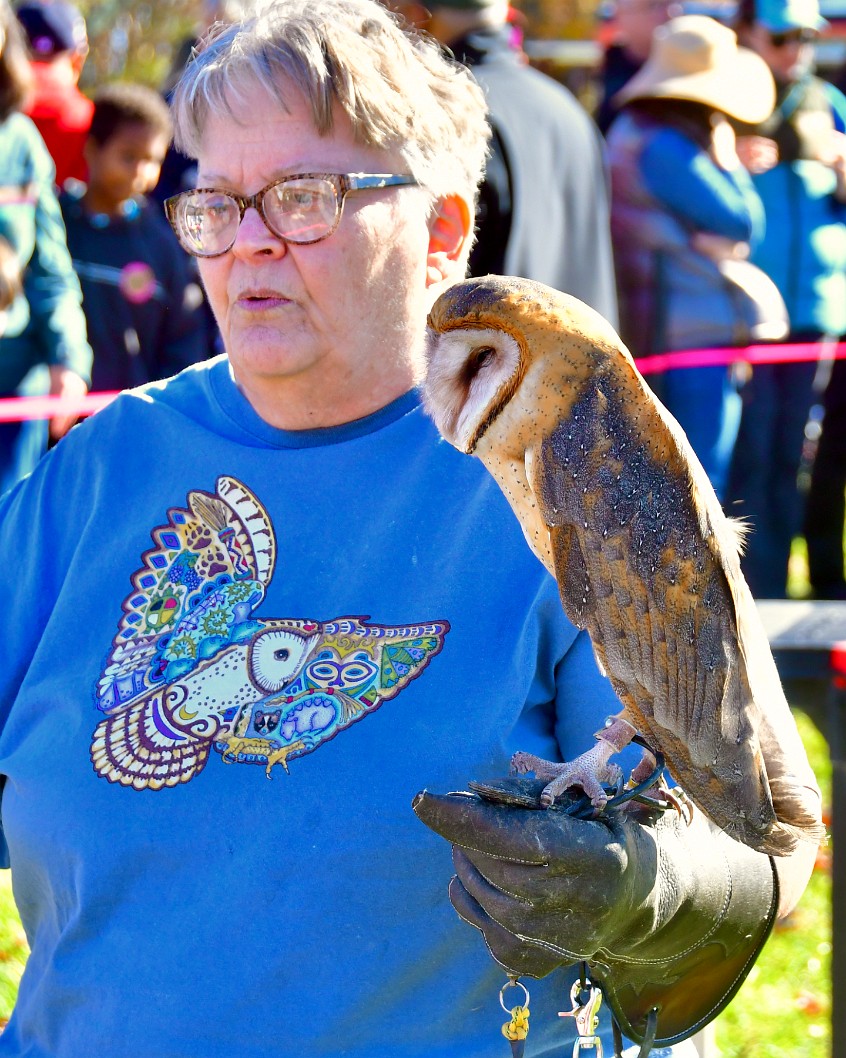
<point x="789" y="352"/>
<point x="19" y="409"/>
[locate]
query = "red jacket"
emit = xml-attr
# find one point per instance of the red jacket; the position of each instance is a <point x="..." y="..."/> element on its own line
<point x="63" y="116"/>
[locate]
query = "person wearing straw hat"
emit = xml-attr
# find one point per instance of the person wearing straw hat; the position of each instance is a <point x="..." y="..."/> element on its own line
<point x="797" y="158"/>
<point x="684" y="213"/>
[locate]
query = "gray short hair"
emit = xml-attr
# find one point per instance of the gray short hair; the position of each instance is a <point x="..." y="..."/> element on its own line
<point x="395" y="85"/>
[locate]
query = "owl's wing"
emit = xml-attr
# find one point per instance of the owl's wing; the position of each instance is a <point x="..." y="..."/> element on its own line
<point x="645" y="562"/>
<point x="194" y="593"/>
<point x="163" y="737"/>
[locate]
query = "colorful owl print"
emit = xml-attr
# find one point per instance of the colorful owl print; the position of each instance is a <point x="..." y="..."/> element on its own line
<point x="194" y="669"/>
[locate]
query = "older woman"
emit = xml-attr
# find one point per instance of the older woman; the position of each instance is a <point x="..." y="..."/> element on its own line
<point x="188" y="635"/>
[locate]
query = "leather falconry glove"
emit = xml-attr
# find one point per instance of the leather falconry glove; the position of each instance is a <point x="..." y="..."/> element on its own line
<point x="669" y="916"/>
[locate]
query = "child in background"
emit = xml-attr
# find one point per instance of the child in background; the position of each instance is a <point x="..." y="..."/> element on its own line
<point x="11" y="285"/>
<point x="144" y="308"/>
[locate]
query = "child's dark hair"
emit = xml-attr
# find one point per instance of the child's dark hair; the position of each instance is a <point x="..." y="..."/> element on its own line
<point x="118" y="105"/>
<point x="10" y="275"/>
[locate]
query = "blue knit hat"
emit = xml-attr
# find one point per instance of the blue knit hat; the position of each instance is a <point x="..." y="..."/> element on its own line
<point x="52" y="27"/>
<point x="782" y="16"/>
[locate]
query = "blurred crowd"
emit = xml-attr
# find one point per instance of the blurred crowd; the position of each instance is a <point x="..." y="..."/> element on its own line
<point x="701" y="209"/>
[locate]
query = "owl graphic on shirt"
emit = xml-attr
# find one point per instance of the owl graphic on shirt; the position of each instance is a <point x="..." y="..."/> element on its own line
<point x="192" y="667"/>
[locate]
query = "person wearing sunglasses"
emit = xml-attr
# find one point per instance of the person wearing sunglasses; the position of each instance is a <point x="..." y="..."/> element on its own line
<point x="797" y="158"/>
<point x="263" y="605"/>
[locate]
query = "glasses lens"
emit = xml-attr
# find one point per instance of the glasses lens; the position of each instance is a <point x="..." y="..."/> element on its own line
<point x="206" y="222"/>
<point x="302" y="210"/>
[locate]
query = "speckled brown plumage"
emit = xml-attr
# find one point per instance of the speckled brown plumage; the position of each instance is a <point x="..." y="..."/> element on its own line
<point x="614" y="502"/>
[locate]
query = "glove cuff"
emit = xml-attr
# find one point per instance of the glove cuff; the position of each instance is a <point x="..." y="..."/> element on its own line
<point x="689" y="989"/>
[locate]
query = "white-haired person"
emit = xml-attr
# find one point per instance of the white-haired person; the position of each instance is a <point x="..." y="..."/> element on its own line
<point x="262" y="606"/>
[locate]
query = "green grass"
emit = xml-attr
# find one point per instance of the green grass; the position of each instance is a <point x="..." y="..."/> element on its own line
<point x="13" y="948"/>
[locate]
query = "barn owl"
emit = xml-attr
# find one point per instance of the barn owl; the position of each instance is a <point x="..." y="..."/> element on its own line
<point x="614" y="502"/>
<point x="192" y="668"/>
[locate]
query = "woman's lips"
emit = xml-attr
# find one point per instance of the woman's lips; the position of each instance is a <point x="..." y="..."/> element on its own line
<point x="261" y="302"/>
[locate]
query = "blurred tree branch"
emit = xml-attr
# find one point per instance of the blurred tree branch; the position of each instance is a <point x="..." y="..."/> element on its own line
<point x="137" y="40"/>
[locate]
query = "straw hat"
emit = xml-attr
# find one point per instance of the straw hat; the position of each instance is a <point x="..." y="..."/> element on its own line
<point x="695" y="57"/>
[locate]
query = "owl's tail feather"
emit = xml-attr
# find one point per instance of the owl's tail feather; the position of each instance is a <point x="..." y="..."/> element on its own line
<point x="797" y="810"/>
<point x="789" y="815"/>
<point x="126" y="749"/>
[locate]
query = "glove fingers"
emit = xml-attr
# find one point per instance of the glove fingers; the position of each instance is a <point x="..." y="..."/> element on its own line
<point x="514" y="955"/>
<point x="559" y="913"/>
<point x="521" y="835"/>
<point x="529" y="883"/>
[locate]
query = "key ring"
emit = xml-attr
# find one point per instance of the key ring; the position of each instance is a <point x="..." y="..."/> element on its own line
<point x="513" y="982"/>
<point x="516" y="1029"/>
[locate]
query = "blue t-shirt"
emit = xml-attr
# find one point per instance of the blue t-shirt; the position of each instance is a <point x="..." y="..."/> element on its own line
<point x="200" y="602"/>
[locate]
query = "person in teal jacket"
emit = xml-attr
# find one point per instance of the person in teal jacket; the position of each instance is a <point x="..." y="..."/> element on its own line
<point x="798" y="163"/>
<point x="44" y="347"/>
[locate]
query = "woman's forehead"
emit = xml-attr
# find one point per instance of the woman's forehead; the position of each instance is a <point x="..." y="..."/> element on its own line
<point x="256" y="133"/>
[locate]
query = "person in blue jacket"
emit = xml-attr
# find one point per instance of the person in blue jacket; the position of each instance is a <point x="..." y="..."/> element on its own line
<point x="44" y="347"/>
<point x="683" y="209"/>
<point x="797" y="158"/>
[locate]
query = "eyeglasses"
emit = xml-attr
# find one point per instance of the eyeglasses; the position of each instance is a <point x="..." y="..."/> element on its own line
<point x="793" y="36"/>
<point x="303" y="208"/>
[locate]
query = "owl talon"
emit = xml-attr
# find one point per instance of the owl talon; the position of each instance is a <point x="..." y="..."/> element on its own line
<point x="674" y="798"/>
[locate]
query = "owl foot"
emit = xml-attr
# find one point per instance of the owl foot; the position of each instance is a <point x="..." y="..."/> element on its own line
<point x="280" y="756"/>
<point x="589" y="772"/>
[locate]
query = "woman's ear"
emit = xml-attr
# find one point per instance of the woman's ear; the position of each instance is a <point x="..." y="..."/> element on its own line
<point x="450" y="230"/>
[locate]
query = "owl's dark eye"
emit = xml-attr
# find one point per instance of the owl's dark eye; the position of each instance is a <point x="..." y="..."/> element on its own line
<point x="481" y="356"/>
<point x="282" y="654"/>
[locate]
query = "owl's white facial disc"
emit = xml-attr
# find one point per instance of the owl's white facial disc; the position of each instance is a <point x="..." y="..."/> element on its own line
<point x="275" y="657"/>
<point x="467" y="370"/>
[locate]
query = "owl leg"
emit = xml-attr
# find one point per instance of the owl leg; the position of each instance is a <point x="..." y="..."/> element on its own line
<point x="588" y="771"/>
<point x="644" y="768"/>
